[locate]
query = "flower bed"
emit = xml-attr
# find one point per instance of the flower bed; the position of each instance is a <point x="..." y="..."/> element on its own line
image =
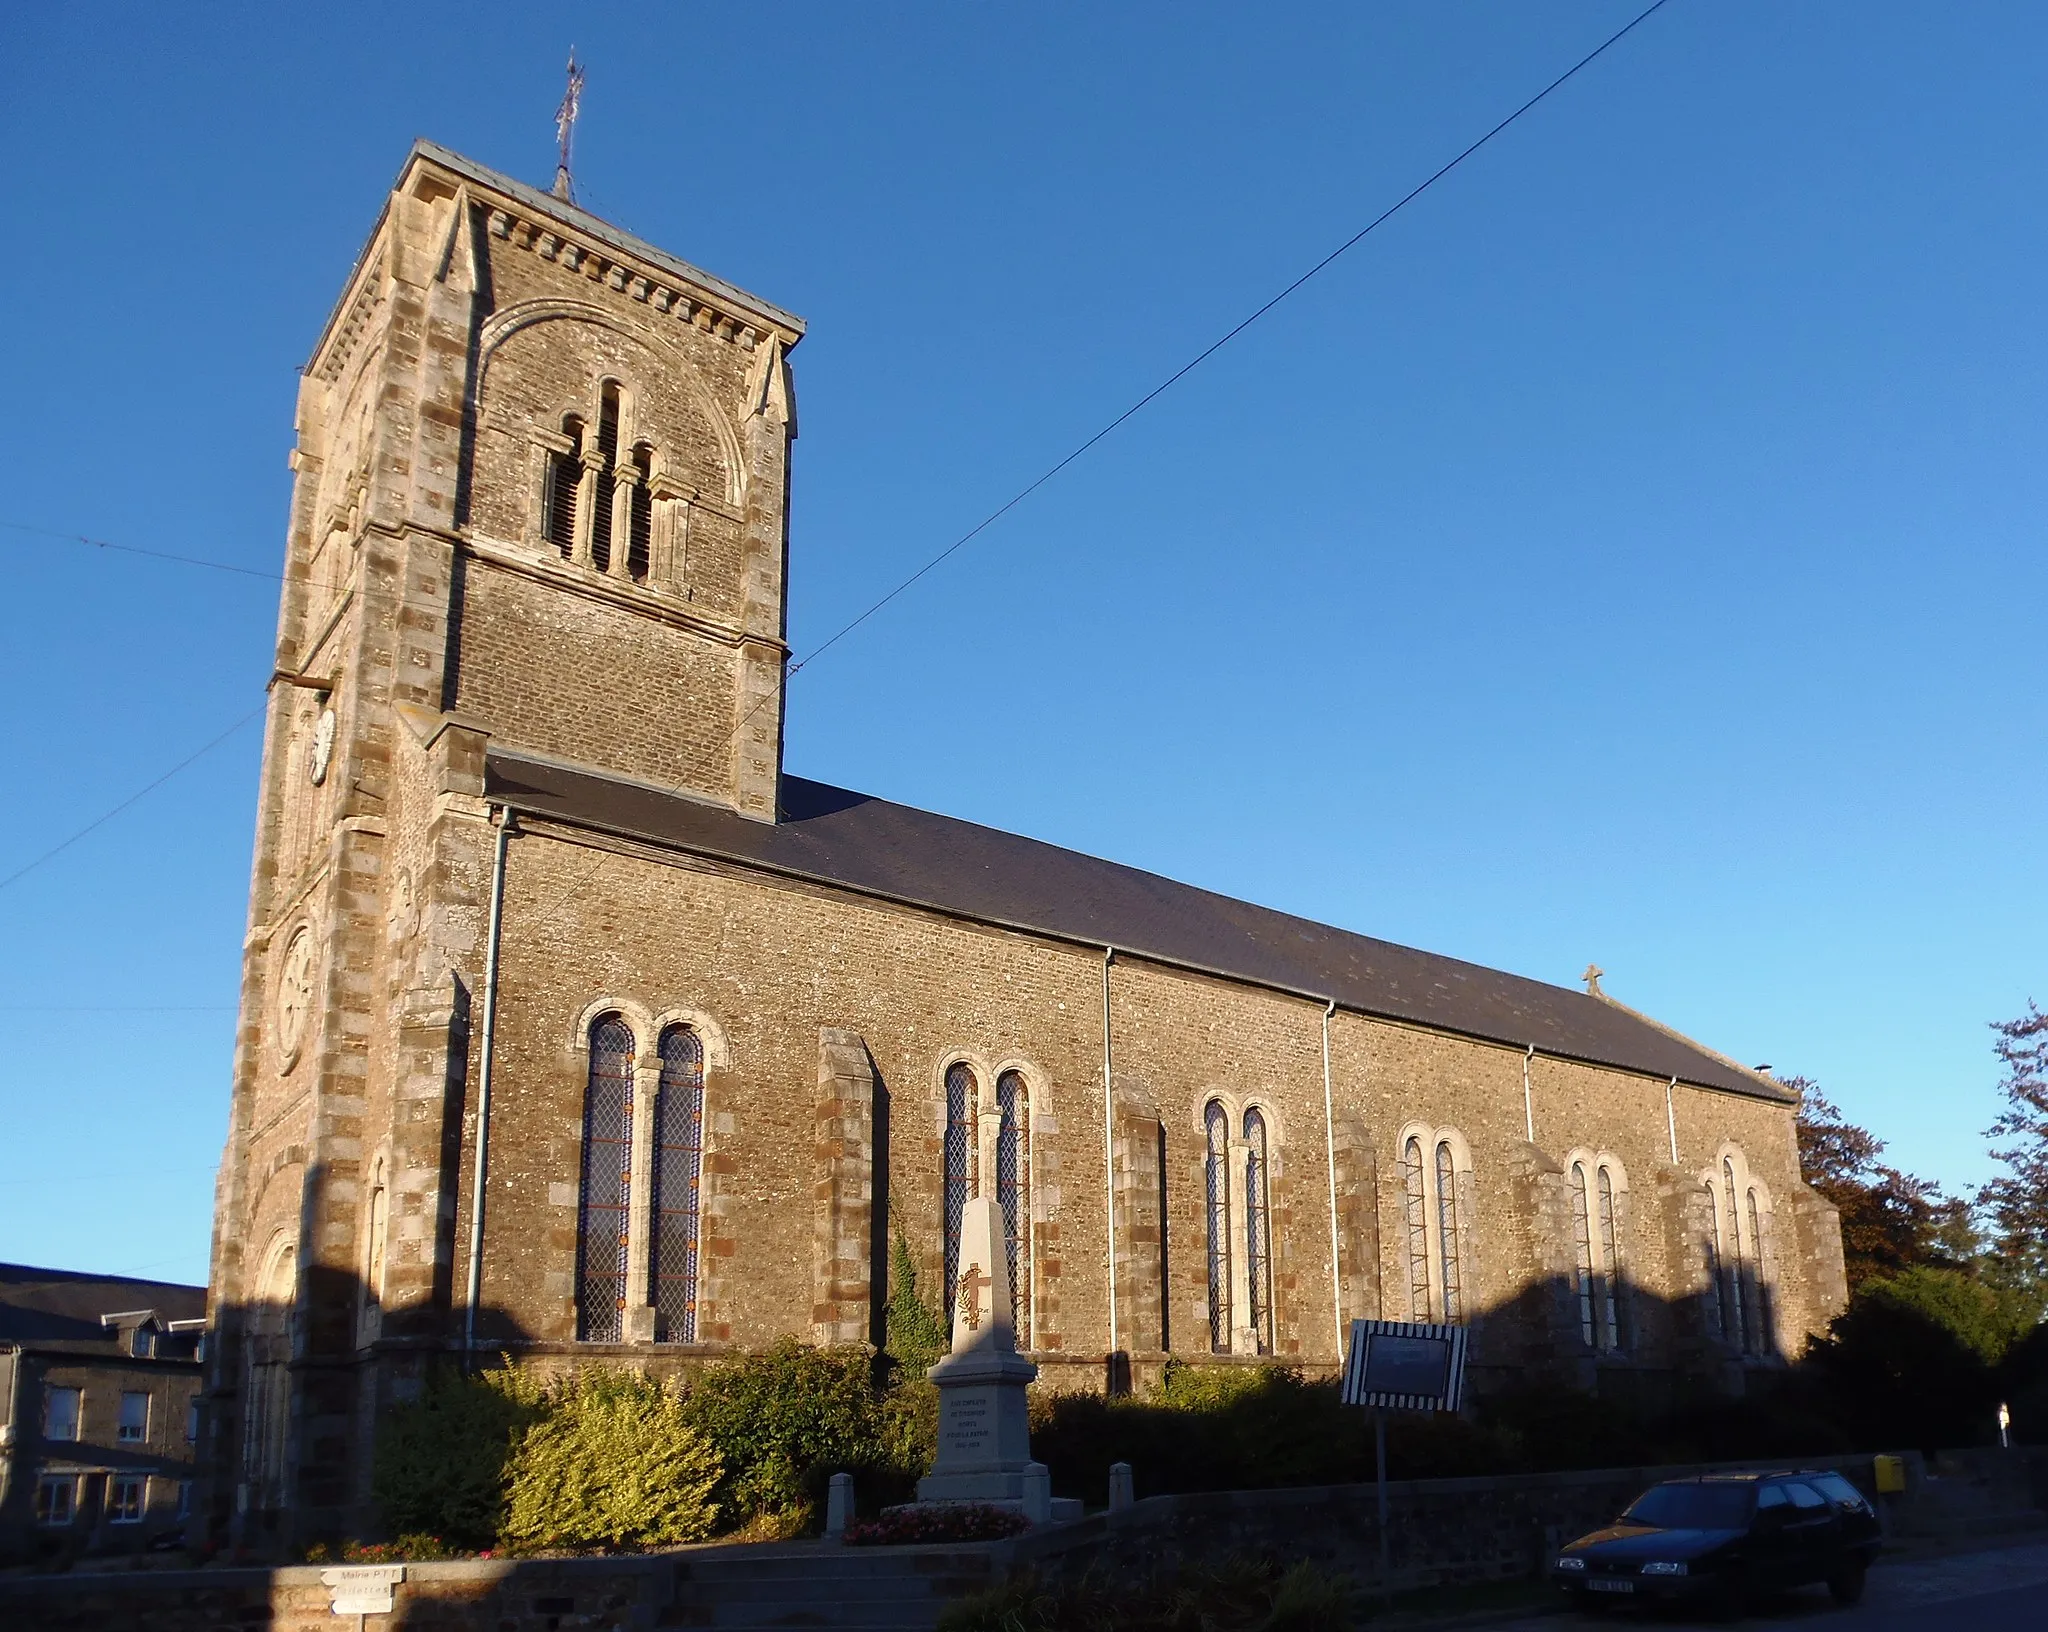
<point x="939" y="1521"/>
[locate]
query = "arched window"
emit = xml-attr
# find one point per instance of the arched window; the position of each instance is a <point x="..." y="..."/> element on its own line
<point x="558" y="497"/>
<point x="1732" y="1257"/>
<point x="1760" y="1321"/>
<point x="1216" y="1190"/>
<point x="1447" y="1230"/>
<point x="1013" y="1191"/>
<point x="371" y="1318"/>
<point x="959" y="1174"/>
<point x="607" y="1183"/>
<point x="640" y="517"/>
<point x="607" y="478"/>
<point x="678" y="1169"/>
<point x="1608" y="1281"/>
<point x="1258" y="1230"/>
<point x="272" y="1338"/>
<point x="1717" y="1305"/>
<point x="1414" y="1183"/>
<point x="1582" y="1244"/>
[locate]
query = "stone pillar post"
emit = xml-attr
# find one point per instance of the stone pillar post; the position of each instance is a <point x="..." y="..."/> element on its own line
<point x="842" y="1268"/>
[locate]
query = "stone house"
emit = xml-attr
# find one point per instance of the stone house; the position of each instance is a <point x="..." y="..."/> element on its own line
<point x="99" y="1402"/>
<point x="574" y="1029"/>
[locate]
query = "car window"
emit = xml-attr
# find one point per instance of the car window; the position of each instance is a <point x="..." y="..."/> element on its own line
<point x="1772" y="1496"/>
<point x="1839" y="1491"/>
<point x="1805" y="1496"/>
<point x="1691" y="1506"/>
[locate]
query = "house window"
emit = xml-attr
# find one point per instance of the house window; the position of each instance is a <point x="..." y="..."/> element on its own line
<point x="184" y="1509"/>
<point x="56" y="1498"/>
<point x="192" y="1420"/>
<point x="133" y="1427"/>
<point x="1013" y="1192"/>
<point x="127" y="1498"/>
<point x="607" y="1183"/>
<point x="142" y="1342"/>
<point x="62" y="1409"/>
<point x="1258" y="1235"/>
<point x="678" y="1172"/>
<point x="958" y="1157"/>
<point x="1216" y="1189"/>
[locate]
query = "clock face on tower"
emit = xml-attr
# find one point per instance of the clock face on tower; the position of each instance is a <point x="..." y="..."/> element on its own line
<point x="294" y="1002"/>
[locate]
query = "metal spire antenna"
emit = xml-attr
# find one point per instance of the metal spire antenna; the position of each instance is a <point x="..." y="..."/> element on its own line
<point x="565" y="123"/>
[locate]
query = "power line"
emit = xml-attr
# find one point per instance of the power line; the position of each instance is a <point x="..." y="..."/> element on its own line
<point x="1218" y="344"/>
<point x="149" y="788"/>
<point x="137" y="549"/>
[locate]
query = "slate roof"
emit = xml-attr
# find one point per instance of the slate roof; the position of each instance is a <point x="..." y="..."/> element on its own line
<point x="61" y="1308"/>
<point x="871" y="846"/>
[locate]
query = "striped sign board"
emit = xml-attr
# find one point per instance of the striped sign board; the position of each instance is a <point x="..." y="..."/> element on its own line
<point x="1405" y="1365"/>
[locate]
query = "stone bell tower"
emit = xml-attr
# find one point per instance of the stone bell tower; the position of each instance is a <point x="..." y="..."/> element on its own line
<point x="540" y="502"/>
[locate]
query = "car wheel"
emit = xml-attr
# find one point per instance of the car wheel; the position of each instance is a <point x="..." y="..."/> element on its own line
<point x="1845" y="1586"/>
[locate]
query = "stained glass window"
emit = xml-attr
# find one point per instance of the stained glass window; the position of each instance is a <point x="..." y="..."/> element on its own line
<point x="1258" y="1229"/>
<point x="1216" y="1189"/>
<point x="678" y="1172"/>
<point x="1607" y="1284"/>
<point x="1447" y="1230"/>
<point x="1013" y="1191"/>
<point x="607" y="1184"/>
<point x="959" y="1174"/>
<point x="1582" y="1245"/>
<point x="1732" y="1259"/>
<point x="1413" y="1182"/>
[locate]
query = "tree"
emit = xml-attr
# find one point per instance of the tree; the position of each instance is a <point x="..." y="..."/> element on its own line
<point x="1891" y="1221"/>
<point x="2016" y="1203"/>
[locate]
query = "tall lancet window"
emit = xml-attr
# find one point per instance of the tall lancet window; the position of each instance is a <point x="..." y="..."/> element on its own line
<point x="1013" y="1191"/>
<point x="958" y="1180"/>
<point x="1258" y="1235"/>
<point x="1447" y="1230"/>
<point x="607" y="1183"/>
<point x="640" y="521"/>
<point x="558" y="499"/>
<point x="1612" y="1334"/>
<point x="678" y="1172"/>
<point x="1732" y="1259"/>
<point x="1216" y="1189"/>
<point x="1760" y="1318"/>
<point x="1414" y="1184"/>
<point x="607" y="479"/>
<point x="1582" y="1247"/>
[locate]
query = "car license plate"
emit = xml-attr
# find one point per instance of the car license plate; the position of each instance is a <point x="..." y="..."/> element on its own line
<point x="1598" y="1584"/>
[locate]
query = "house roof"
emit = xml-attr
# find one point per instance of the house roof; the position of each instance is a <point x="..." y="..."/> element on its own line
<point x="62" y="1308"/>
<point x="854" y="841"/>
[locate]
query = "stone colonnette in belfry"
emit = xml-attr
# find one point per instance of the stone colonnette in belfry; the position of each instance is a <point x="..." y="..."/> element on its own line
<point x="534" y="900"/>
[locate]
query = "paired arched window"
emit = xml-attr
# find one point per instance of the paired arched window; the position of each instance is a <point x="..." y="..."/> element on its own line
<point x="607" y="1191"/>
<point x="1431" y="1166"/>
<point x="609" y="1216"/>
<point x="1738" y="1256"/>
<point x="1237" y="1181"/>
<point x="597" y="501"/>
<point x="962" y="1176"/>
<point x="678" y="1171"/>
<point x="1596" y="1252"/>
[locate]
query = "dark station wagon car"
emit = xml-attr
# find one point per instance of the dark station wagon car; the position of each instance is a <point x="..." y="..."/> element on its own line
<point x="1722" y="1540"/>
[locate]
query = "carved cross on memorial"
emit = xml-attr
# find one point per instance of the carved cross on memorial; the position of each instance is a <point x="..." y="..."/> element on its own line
<point x="972" y="1284"/>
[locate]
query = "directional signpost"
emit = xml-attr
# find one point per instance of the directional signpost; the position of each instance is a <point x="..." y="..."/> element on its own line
<point x="1401" y="1365"/>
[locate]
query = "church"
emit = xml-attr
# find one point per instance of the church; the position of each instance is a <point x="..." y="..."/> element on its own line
<point x="574" y="1029"/>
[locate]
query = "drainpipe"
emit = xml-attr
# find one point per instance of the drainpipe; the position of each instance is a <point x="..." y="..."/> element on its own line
<point x="1671" y="1118"/>
<point x="1330" y="1154"/>
<point x="1109" y="1148"/>
<point x="1528" y="1099"/>
<point x="483" y="1086"/>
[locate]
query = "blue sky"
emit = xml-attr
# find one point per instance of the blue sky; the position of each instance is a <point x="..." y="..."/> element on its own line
<point x="1630" y="554"/>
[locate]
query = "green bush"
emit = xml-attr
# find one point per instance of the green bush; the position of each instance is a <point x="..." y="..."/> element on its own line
<point x="1232" y="1594"/>
<point x="917" y="1338"/>
<point x="440" y="1461"/>
<point x="783" y="1422"/>
<point x="610" y="1463"/>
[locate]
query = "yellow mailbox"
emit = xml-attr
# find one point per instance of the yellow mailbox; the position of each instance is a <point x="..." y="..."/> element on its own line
<point x="1891" y="1474"/>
